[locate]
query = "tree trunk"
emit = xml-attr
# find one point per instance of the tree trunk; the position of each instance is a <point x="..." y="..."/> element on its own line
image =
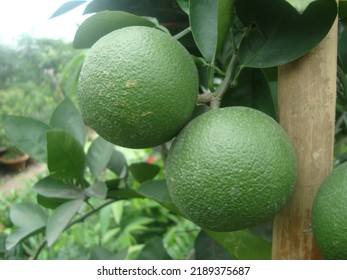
<point x="307" y="97"/>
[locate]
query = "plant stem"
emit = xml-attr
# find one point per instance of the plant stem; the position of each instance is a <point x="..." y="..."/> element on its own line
<point x="182" y="33"/>
<point x="88" y="214"/>
<point x="78" y="220"/>
<point x="38" y="250"/>
<point x="229" y="76"/>
<point x="205" y="97"/>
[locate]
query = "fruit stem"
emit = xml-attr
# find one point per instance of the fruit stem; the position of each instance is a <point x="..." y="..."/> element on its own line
<point x="205" y="97"/>
<point x="182" y="33"/>
<point x="224" y="86"/>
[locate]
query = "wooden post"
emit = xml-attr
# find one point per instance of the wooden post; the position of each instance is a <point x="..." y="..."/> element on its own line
<point x="307" y="97"/>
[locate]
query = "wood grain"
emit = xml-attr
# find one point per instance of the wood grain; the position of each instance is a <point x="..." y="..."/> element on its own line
<point x="307" y="96"/>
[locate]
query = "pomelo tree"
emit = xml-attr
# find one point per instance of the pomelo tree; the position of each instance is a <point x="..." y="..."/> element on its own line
<point x="263" y="54"/>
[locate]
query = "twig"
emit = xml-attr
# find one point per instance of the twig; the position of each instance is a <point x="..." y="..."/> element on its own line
<point x="205" y="97"/>
<point x="38" y="250"/>
<point x="182" y="33"/>
<point x="229" y="76"/>
<point x="78" y="220"/>
<point x="88" y="214"/>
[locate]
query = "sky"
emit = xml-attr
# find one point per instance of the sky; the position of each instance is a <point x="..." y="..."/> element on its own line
<point x="31" y="17"/>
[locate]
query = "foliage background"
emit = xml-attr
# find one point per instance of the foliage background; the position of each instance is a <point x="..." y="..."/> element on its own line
<point x="114" y="203"/>
<point x="31" y="77"/>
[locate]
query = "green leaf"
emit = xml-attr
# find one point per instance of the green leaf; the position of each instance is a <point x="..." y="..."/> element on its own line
<point x="97" y="190"/>
<point x="341" y="97"/>
<point x="343" y="8"/>
<point x="113" y="183"/>
<point x="253" y="91"/>
<point x="206" y="248"/>
<point x="225" y="19"/>
<point x="99" y="155"/>
<point x="60" y="219"/>
<point x="54" y="188"/>
<point x="67" y="117"/>
<point x="124" y="194"/>
<point x="342" y="49"/>
<point x="154" y="250"/>
<point x="29" y="218"/>
<point x="102" y="5"/>
<point x="157" y="190"/>
<point x="243" y="245"/>
<point x="117" y="209"/>
<point x="204" y="70"/>
<point x="50" y="202"/>
<point x="66" y="158"/>
<point x="278" y="34"/>
<point x="27" y="215"/>
<point x="144" y="171"/>
<point x="199" y="110"/>
<point x="300" y="5"/>
<point x="100" y="253"/>
<point x="210" y="32"/>
<point x="66" y="7"/>
<point x="118" y="164"/>
<point x="204" y="28"/>
<point x="105" y="219"/>
<point x="271" y="75"/>
<point x="263" y="231"/>
<point x="2" y="244"/>
<point x="28" y="134"/>
<point x="68" y="77"/>
<point x="184" y="5"/>
<point x="102" y="23"/>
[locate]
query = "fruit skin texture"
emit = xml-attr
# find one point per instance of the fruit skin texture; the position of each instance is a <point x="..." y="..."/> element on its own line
<point x="138" y="87"/>
<point x="329" y="215"/>
<point x="231" y="168"/>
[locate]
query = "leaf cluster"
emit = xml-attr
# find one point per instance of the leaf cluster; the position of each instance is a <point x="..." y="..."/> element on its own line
<point x="237" y="46"/>
<point x="30" y="82"/>
<point x="76" y="186"/>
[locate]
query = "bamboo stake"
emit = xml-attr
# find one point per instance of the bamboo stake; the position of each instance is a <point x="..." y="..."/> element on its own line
<point x="307" y="96"/>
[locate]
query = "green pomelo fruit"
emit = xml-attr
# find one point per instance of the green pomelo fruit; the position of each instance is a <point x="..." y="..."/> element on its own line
<point x="231" y="168"/>
<point x="329" y="215"/>
<point x="138" y="87"/>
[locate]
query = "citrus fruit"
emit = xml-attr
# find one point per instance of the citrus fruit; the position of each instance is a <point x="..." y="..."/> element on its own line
<point x="231" y="168"/>
<point x="138" y="87"/>
<point x="329" y="215"/>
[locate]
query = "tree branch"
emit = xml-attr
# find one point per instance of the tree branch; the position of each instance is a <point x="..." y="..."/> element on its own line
<point x="78" y="220"/>
<point x="205" y="97"/>
<point x="229" y="76"/>
<point x="88" y="214"/>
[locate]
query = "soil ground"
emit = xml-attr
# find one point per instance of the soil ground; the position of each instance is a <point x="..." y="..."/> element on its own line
<point x="12" y="181"/>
